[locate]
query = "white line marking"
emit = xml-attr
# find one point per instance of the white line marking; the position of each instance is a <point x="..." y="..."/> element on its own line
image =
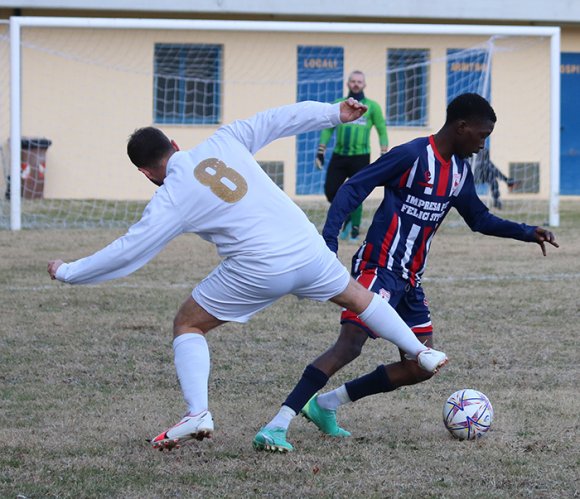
<point x="549" y="277"/>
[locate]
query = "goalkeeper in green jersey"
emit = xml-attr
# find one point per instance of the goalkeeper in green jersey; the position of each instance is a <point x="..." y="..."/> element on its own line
<point x="352" y="150"/>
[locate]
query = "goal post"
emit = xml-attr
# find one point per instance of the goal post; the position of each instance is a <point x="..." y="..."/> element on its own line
<point x="250" y="83"/>
<point x="15" y="126"/>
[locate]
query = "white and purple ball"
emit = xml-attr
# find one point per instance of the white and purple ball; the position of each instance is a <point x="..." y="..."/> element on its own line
<point x="467" y="414"/>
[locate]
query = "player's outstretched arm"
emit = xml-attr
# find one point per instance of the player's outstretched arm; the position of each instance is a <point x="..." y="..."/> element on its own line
<point x="160" y="223"/>
<point x="543" y="236"/>
<point x="262" y="128"/>
<point x="351" y="110"/>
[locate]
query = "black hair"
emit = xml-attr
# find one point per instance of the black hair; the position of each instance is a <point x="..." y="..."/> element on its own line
<point x="469" y="107"/>
<point x="147" y="147"/>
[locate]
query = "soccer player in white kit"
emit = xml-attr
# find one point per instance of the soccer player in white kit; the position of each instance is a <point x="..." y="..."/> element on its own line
<point x="268" y="246"/>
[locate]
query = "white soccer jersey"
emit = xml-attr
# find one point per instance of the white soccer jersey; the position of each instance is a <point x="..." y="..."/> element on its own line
<point x="219" y="191"/>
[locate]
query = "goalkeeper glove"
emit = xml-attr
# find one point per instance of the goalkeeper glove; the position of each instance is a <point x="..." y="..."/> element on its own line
<point x="384" y="149"/>
<point x="319" y="161"/>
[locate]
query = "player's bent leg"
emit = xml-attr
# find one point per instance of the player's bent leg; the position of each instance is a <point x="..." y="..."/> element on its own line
<point x="347" y="348"/>
<point x="382" y="319"/>
<point x="384" y="379"/>
<point x="192" y="363"/>
<point x="355" y="297"/>
<point x="406" y="372"/>
<point x="193" y="318"/>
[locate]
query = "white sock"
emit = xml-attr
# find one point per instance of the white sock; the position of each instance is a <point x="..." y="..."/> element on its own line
<point x="334" y="399"/>
<point x="191" y="357"/>
<point x="384" y="321"/>
<point x="282" y="419"/>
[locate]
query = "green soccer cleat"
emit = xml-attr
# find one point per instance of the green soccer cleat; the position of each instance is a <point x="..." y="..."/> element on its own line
<point x="325" y="419"/>
<point x="272" y="440"/>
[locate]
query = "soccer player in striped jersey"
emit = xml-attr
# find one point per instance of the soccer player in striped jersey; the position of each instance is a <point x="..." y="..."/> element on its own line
<point x="352" y="150"/>
<point x="268" y="246"/>
<point x="422" y="180"/>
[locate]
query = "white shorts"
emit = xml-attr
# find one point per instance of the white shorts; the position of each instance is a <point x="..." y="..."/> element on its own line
<point x="234" y="291"/>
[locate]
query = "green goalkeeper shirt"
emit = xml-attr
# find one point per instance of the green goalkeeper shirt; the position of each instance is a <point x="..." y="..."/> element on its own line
<point x="354" y="138"/>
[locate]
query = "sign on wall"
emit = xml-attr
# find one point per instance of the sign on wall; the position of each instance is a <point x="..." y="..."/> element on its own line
<point x="570" y="124"/>
<point x="468" y="70"/>
<point x="320" y="78"/>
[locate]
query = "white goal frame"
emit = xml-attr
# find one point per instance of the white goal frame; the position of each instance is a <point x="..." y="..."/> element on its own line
<point x="16" y="23"/>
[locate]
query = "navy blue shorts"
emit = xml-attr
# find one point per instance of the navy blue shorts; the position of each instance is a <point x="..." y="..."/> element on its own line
<point x="409" y="302"/>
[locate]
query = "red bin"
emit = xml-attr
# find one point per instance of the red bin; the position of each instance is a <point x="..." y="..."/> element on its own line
<point x="33" y="163"/>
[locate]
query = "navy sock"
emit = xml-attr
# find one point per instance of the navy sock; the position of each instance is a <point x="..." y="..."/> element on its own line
<point x="376" y="382"/>
<point x="313" y="379"/>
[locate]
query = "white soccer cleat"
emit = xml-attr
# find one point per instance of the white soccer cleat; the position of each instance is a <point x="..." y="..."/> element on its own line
<point x="431" y="360"/>
<point x="190" y="427"/>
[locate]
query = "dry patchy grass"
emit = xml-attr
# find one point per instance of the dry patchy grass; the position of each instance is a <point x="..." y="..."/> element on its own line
<point x="86" y="375"/>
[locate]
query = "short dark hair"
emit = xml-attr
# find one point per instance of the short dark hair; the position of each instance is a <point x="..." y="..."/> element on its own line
<point x="469" y="107"/>
<point x="147" y="146"/>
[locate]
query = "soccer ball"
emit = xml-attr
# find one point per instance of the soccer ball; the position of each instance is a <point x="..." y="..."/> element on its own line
<point x="467" y="414"/>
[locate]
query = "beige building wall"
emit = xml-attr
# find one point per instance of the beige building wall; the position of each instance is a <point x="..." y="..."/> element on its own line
<point x="87" y="90"/>
<point x="570" y="39"/>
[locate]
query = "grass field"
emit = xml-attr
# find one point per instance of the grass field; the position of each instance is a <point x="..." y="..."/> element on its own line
<point x="87" y="375"/>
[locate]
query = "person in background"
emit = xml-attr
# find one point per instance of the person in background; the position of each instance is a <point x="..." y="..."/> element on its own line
<point x="485" y="172"/>
<point x="352" y="150"/>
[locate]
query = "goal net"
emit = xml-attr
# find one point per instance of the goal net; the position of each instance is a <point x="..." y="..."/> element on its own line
<point x="85" y="85"/>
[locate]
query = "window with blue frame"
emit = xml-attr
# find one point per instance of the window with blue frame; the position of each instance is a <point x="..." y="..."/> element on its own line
<point x="187" y="84"/>
<point x="407" y="87"/>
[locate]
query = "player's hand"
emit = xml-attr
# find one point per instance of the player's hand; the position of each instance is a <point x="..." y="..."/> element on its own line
<point x="543" y="236"/>
<point x="53" y="266"/>
<point x="351" y="109"/>
<point x="384" y="150"/>
<point x="319" y="161"/>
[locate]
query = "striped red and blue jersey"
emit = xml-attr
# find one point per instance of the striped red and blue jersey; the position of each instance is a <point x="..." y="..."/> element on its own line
<point x="420" y="187"/>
